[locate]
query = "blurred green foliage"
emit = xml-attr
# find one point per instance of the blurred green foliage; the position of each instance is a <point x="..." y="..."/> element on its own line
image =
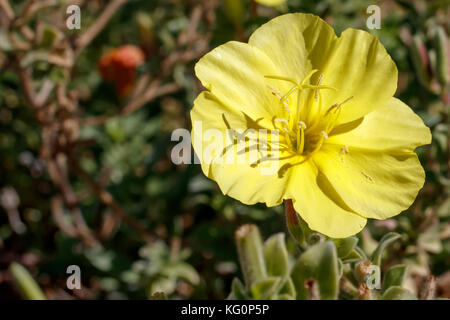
<point x="196" y="256"/>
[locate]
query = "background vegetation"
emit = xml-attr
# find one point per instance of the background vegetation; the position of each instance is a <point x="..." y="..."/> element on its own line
<point x="85" y="172"/>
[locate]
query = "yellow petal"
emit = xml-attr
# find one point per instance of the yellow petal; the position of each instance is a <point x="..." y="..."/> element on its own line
<point x="295" y="42"/>
<point x="234" y="73"/>
<point x="239" y="180"/>
<point x="374" y="184"/>
<point x="356" y="63"/>
<point x="318" y="204"/>
<point x="392" y="127"/>
<point x="359" y="67"/>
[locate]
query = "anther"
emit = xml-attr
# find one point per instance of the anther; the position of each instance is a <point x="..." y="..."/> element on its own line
<point x="302" y="125"/>
<point x="281" y="120"/>
<point x="301" y="137"/>
<point x="277" y="93"/>
<point x="344" y="150"/>
<point x="324" y="134"/>
<point x="338" y="105"/>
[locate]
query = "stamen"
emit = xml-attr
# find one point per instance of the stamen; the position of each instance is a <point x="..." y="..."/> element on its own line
<point x="281" y="120"/>
<point x="346" y="100"/>
<point x="308" y="76"/>
<point x="285" y="130"/>
<point x="309" y="86"/>
<point x="343" y="152"/>
<point x="301" y="137"/>
<point x="338" y="105"/>
<point x="277" y="93"/>
<point x="323" y="137"/>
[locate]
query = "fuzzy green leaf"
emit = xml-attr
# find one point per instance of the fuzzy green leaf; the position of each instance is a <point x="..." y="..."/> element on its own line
<point x="394" y="277"/>
<point x="28" y="287"/>
<point x="321" y="264"/>
<point x="384" y="242"/>
<point x="264" y="289"/>
<point x="276" y="256"/>
<point x="288" y="288"/>
<point x="397" y="293"/>
<point x="238" y="290"/>
<point x="345" y="246"/>
<point x="251" y="254"/>
<point x="354" y="256"/>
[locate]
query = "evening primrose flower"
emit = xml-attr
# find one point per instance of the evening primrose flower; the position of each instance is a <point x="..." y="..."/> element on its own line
<point x="345" y="145"/>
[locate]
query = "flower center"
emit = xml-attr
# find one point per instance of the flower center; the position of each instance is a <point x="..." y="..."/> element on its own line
<point x="305" y="125"/>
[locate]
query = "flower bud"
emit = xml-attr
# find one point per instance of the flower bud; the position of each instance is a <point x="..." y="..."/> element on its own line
<point x="294" y="223"/>
<point x="119" y="66"/>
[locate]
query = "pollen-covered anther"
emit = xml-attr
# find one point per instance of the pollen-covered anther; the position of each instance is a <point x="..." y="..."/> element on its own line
<point x="337" y="106"/>
<point x="301" y="136"/>
<point x="344" y="150"/>
<point x="281" y="120"/>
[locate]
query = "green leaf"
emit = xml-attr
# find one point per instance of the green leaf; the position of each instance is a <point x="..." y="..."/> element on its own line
<point x="238" y="290"/>
<point x="345" y="246"/>
<point x="354" y="256"/>
<point x="394" y="277"/>
<point x="158" y="296"/>
<point x="430" y="239"/>
<point x="419" y="62"/>
<point x="340" y="268"/>
<point x="320" y="263"/>
<point x="384" y="242"/>
<point x="5" y="43"/>
<point x="440" y="42"/>
<point x="184" y="271"/>
<point x="288" y="288"/>
<point x="48" y="37"/>
<point x="251" y="254"/>
<point x="29" y="289"/>
<point x="285" y="296"/>
<point x="276" y="256"/>
<point x="264" y="289"/>
<point x="34" y="56"/>
<point x="397" y="293"/>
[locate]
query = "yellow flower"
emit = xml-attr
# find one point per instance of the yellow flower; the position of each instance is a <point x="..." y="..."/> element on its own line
<point x="346" y="145"/>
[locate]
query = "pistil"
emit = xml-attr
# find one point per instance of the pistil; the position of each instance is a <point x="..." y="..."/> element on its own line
<point x="306" y="140"/>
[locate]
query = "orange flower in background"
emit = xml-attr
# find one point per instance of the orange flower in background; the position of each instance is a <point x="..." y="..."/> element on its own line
<point x="119" y="66"/>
